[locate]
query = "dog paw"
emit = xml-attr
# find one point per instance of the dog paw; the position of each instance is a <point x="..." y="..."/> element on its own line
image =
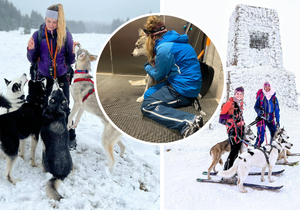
<point x="244" y="191"/>
<point x="140" y="99"/>
<point x="202" y="112"/>
<point x="33" y="164"/>
<point x="22" y="156"/>
<point x="262" y="180"/>
<point x="271" y="180"/>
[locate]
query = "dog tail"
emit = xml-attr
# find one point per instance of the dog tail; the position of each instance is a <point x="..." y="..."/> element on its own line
<point x="51" y="189"/>
<point x="4" y="102"/>
<point x="232" y="171"/>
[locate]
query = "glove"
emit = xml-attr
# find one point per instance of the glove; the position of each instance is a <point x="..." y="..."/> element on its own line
<point x="260" y="112"/>
<point x="277" y="125"/>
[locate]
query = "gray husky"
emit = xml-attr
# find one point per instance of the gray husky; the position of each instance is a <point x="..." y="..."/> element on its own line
<point x="57" y="159"/>
<point x="82" y="91"/>
<point x="140" y="49"/>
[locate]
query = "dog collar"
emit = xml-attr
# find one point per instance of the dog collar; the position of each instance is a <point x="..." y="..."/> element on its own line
<point x="81" y="71"/>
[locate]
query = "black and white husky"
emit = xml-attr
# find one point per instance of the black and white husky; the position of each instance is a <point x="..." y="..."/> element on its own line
<point x="22" y="123"/>
<point x="15" y="93"/>
<point x="84" y="97"/>
<point x="57" y="159"/>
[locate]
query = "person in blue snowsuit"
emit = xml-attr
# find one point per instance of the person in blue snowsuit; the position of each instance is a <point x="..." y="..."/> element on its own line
<point x="267" y="108"/>
<point x="177" y="70"/>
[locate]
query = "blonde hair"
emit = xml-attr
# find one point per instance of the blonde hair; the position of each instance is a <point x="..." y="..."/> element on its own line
<point x="61" y="24"/>
<point x="152" y="21"/>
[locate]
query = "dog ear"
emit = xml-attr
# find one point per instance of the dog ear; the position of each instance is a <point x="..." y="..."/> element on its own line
<point x="44" y="82"/>
<point x="93" y="57"/>
<point x="141" y="32"/>
<point x="6" y="82"/>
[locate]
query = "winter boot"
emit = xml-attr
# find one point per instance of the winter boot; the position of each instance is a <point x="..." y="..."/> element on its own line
<point x="194" y="127"/>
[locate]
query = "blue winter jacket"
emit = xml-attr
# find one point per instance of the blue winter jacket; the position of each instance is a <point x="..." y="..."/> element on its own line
<point x="177" y="61"/>
<point x="268" y="107"/>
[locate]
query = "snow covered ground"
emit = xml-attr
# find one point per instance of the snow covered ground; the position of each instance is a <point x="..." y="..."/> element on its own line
<point x="135" y="184"/>
<point x="184" y="161"/>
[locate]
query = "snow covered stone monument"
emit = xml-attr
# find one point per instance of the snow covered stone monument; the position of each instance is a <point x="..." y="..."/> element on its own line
<point x="254" y="55"/>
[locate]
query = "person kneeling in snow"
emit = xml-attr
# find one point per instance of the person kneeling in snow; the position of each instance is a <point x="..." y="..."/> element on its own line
<point x="267" y="108"/>
<point x="177" y="70"/>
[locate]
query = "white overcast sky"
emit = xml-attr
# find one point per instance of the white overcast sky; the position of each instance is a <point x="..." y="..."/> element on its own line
<point x="92" y="10"/>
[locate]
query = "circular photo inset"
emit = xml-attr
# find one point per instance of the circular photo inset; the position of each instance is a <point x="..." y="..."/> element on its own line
<point x="159" y="78"/>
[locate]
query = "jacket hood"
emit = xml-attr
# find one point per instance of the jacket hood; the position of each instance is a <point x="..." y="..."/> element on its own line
<point x="172" y="36"/>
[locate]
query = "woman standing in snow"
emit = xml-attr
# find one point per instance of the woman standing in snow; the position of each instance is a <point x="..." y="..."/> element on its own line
<point x="52" y="48"/>
<point x="177" y="71"/>
<point x="232" y="112"/>
<point x="267" y="108"/>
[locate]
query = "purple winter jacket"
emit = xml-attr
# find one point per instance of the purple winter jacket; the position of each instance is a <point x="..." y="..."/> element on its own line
<point x="62" y="57"/>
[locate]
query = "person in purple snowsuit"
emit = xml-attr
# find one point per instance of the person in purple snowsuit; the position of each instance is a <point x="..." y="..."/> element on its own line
<point x="52" y="52"/>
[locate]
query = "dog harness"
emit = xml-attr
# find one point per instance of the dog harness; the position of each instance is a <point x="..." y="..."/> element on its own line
<point x="263" y="150"/>
<point x="86" y="80"/>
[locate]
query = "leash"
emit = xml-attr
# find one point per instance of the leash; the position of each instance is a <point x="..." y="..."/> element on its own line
<point x="51" y="55"/>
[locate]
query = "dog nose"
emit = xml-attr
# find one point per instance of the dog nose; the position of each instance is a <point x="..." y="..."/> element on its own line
<point x="131" y="54"/>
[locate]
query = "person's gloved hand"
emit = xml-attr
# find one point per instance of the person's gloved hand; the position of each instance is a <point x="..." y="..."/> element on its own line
<point x="277" y="125"/>
<point x="260" y="112"/>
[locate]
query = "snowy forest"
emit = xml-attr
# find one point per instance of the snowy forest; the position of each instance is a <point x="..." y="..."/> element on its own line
<point x="11" y="19"/>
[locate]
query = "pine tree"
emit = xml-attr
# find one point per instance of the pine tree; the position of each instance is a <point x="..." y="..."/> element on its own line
<point x="27" y="28"/>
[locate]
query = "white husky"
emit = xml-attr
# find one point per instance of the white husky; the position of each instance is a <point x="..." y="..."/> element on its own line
<point x="262" y="157"/>
<point x="15" y="93"/>
<point x="84" y="97"/>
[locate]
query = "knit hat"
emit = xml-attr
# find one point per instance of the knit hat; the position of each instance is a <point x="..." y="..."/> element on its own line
<point x="239" y="89"/>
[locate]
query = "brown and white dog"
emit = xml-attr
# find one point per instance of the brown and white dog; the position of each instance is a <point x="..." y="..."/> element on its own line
<point x="84" y="97"/>
<point x="220" y="148"/>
